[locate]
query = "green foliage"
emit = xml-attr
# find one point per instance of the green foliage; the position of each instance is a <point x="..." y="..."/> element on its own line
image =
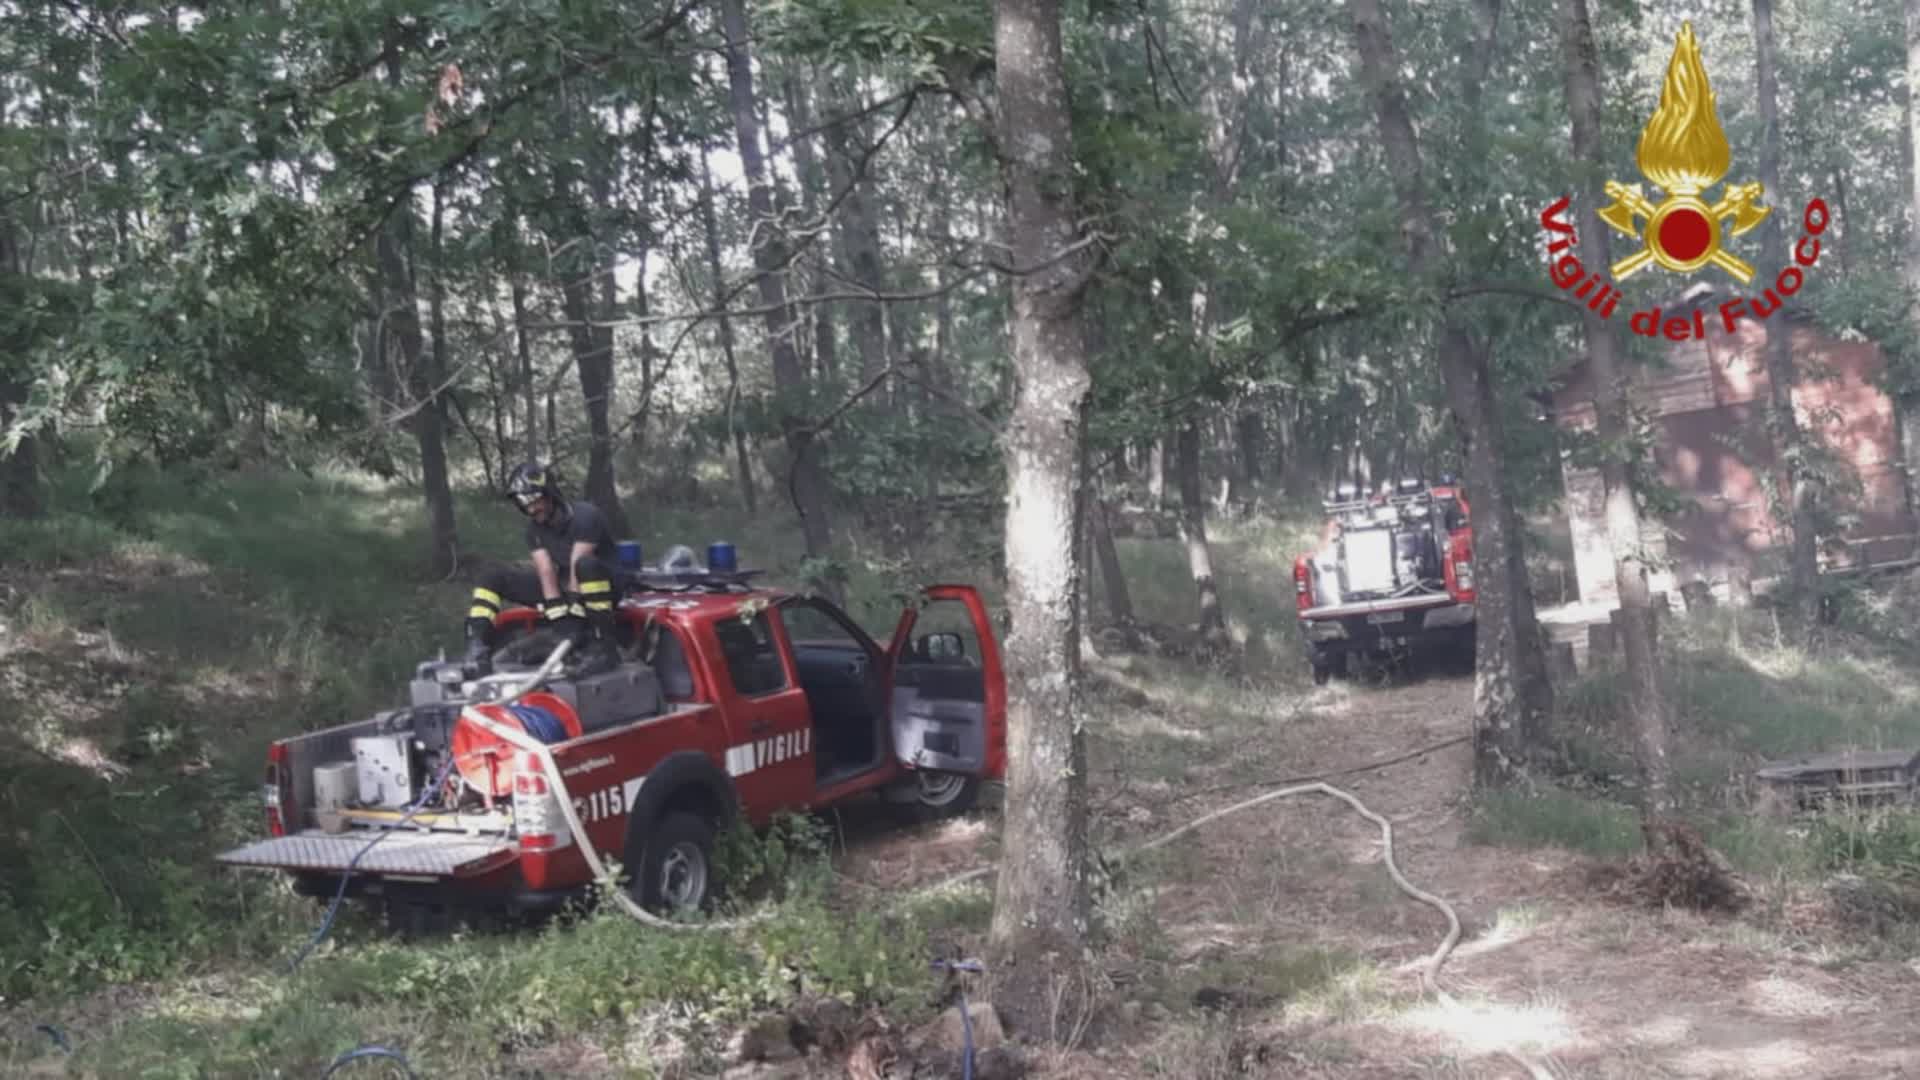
<point x="1556" y="818"/>
<point x="1875" y="841"/>
<point x="777" y="858"/>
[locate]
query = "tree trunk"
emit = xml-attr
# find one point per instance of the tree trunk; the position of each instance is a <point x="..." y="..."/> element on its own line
<point x="1910" y="137"/>
<point x="437" y="322"/>
<point x="497" y="412"/>
<point x="530" y="429"/>
<point x="1509" y="710"/>
<point x="1157" y="474"/>
<point x="809" y="487"/>
<point x="1042" y="906"/>
<point x="393" y="245"/>
<point x="743" y="466"/>
<point x="812" y="182"/>
<point x="1250" y="437"/>
<point x="1113" y="578"/>
<point x="1646" y="700"/>
<point x="856" y="233"/>
<point x="1803" y="563"/>
<point x="19" y="483"/>
<point x="593" y="363"/>
<point x="590" y="294"/>
<point x="1841" y="219"/>
<point x="1193" y="535"/>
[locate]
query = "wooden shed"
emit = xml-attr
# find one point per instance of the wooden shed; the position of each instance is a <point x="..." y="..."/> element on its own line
<point x="1709" y="406"/>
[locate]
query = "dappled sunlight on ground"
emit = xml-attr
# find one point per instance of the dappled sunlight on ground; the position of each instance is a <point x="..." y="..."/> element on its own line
<point x="1784" y="996"/>
<point x="1489" y="1027"/>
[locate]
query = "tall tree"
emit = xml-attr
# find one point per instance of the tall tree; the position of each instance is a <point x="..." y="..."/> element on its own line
<point x="1911" y="129"/>
<point x="19" y="483"/>
<point x="589" y="291"/>
<point x="1042" y="907"/>
<point x="1193" y="535"/>
<point x="426" y="383"/>
<point x="1509" y="712"/>
<point x="770" y="259"/>
<point x="1647" y="701"/>
<point x="1804" y="563"/>
<point x="736" y="431"/>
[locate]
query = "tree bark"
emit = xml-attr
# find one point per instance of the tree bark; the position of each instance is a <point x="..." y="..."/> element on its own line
<point x="1909" y="403"/>
<point x="20" y="482"/>
<point x="810" y="493"/>
<point x="1511" y="701"/>
<point x="1193" y="535"/>
<point x="1250" y="439"/>
<point x="393" y="245"/>
<point x="1804" y="561"/>
<point x="1157" y="474"/>
<point x="530" y="429"/>
<point x="1646" y="699"/>
<point x="856" y="234"/>
<point x="590" y="295"/>
<point x="812" y="183"/>
<point x="1042" y="906"/>
<point x="1113" y="578"/>
<point x="394" y="251"/>
<point x="497" y="409"/>
<point x="743" y="466"/>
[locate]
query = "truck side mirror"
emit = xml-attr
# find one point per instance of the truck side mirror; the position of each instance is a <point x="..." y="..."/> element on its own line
<point x="944" y="645"/>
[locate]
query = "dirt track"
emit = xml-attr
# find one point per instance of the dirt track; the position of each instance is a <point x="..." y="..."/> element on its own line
<point x="1580" y="987"/>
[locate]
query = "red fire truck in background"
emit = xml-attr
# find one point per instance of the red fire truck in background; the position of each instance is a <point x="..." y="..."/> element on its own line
<point x="1393" y="576"/>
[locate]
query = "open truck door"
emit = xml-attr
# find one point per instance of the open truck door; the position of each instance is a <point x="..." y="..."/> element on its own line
<point x="948" y="692"/>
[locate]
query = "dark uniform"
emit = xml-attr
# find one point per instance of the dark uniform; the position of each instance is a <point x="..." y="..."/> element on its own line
<point x="600" y="577"/>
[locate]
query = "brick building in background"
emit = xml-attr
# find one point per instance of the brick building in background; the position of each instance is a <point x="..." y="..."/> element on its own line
<point x="1710" y="407"/>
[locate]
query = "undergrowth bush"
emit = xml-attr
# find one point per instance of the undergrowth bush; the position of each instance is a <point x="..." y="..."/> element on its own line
<point x="1880" y="840"/>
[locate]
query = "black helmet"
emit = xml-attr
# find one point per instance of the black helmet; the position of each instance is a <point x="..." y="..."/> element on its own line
<point x="529" y="481"/>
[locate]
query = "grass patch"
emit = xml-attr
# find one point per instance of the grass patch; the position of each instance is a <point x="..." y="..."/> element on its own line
<point x="1742" y="693"/>
<point x="1763" y="848"/>
<point x="1555" y="818"/>
<point x="1269" y="975"/>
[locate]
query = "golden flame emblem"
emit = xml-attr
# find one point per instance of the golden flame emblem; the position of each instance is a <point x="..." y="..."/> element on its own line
<point x="1684" y="151"/>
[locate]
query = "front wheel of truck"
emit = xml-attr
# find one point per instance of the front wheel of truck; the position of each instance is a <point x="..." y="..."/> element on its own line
<point x="676" y="873"/>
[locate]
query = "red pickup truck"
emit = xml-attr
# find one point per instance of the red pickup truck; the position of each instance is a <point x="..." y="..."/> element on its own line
<point x="1394" y="573"/>
<point x="730" y="701"/>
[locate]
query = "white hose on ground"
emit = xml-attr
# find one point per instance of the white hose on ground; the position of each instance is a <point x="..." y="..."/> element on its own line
<point x="1428" y="976"/>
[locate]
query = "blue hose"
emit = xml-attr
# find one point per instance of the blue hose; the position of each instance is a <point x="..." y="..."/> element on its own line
<point x="59" y="1037"/>
<point x="966" y="1014"/>
<point x="347" y="874"/>
<point x="359" y="1052"/>
<point x="539" y="723"/>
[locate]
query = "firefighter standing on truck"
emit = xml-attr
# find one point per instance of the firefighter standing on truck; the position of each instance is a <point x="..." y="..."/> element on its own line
<point x="574" y="578"/>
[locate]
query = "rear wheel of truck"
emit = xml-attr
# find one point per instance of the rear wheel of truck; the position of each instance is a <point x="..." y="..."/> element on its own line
<point x="676" y="874"/>
<point x="1327" y="665"/>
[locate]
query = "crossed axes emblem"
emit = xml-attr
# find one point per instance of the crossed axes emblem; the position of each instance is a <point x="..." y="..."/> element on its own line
<point x="1629" y="206"/>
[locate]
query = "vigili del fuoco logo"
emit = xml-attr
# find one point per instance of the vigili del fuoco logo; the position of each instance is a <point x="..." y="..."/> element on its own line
<point x="1684" y="152"/>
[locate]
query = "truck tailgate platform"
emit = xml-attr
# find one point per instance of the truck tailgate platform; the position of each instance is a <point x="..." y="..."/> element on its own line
<point x="413" y="853"/>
